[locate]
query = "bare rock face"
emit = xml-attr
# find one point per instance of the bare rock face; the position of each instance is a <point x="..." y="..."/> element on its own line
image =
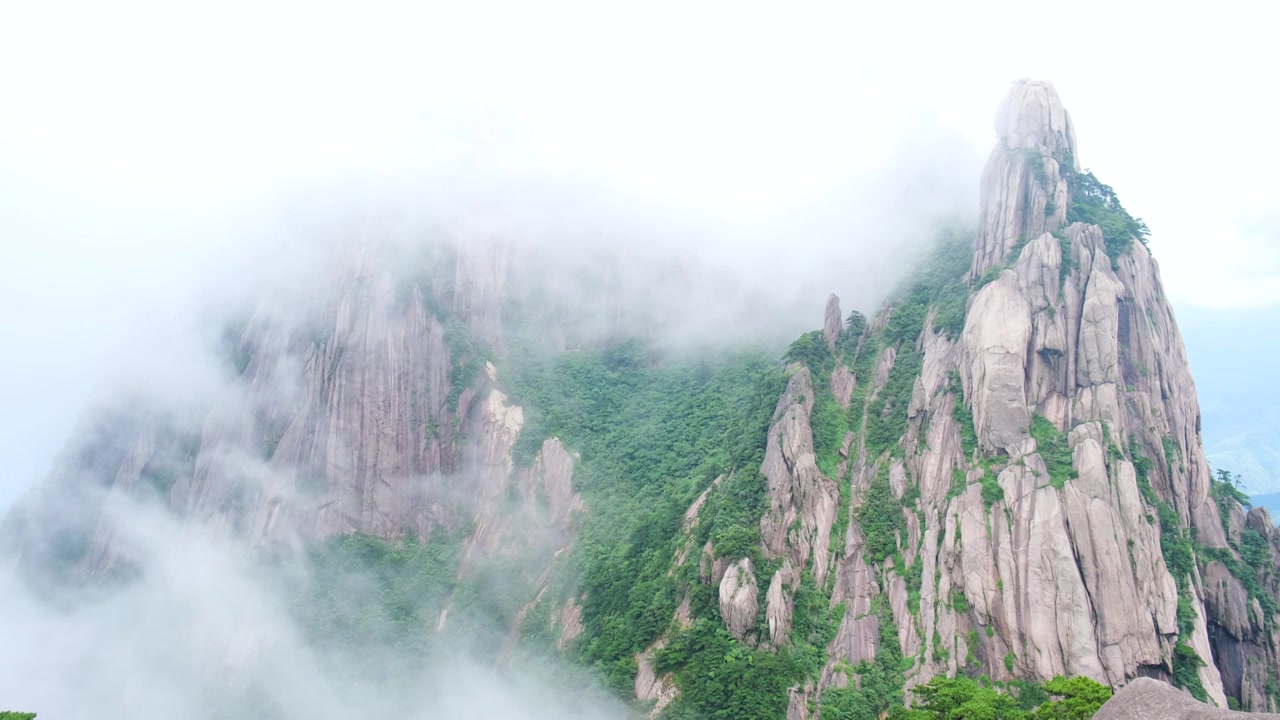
<point x="842" y="385"/>
<point x="996" y="337"/>
<point x="660" y="690"/>
<point x="1049" y="453"/>
<point x="777" y="603"/>
<point x="738" y="604"/>
<point x="1023" y="193"/>
<point x="833" y="322"/>
<point x="1056" y="567"/>
<point x="1226" y="600"/>
<point x="570" y="621"/>
<point x="797" y="524"/>
<point x="1105" y="538"/>
<point x="1147" y="698"/>
<point x="797" y="490"/>
<point x="856" y="586"/>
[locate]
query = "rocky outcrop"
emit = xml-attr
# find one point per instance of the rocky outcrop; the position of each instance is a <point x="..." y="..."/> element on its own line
<point x="778" y="603"/>
<point x="570" y="622"/>
<point x="1013" y="486"/>
<point x="996" y="339"/>
<point x="1147" y="698"/>
<point x="802" y="501"/>
<point x="797" y="490"/>
<point x="833" y="322"/>
<point x="353" y="412"/>
<point x="738" y="604"/>
<point x="650" y="687"/>
<point x="842" y="385"/>
<point x="1040" y="552"/>
<point x="1023" y="192"/>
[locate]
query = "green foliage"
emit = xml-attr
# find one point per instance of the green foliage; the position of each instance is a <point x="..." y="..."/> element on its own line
<point x="1031" y="695"/>
<point x="10" y="715"/>
<point x="991" y="490"/>
<point x="964" y="699"/>
<point x="1179" y="556"/>
<point x="880" y="688"/>
<point x="887" y="414"/>
<point x="937" y="282"/>
<point x="814" y="626"/>
<point x="829" y="424"/>
<point x="1075" y="699"/>
<point x="1052" y="445"/>
<point x="880" y="517"/>
<point x="1009" y="660"/>
<point x="1068" y="258"/>
<point x="720" y="677"/>
<point x="952" y="305"/>
<point x="1225" y="491"/>
<point x="1095" y="203"/>
<point x="990" y="276"/>
<point x="1186" y="674"/>
<point x="811" y="350"/>
<point x="1249" y="557"/>
<point x="466" y="360"/>
<point x="371" y="598"/>
<point x="1171" y="453"/>
<point x="914" y="576"/>
<point x="963" y="416"/>
<point x="1035" y="163"/>
<point x="1007" y="262"/>
<point x="1227" y="486"/>
<point x="653" y="433"/>
<point x="854" y="326"/>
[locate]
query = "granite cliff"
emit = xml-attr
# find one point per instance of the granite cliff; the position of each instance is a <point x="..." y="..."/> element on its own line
<point x="1001" y="473"/>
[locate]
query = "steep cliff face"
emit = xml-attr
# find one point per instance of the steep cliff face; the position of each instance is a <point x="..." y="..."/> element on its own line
<point x="1048" y="468"/>
<point x="999" y="474"/>
<point x="1019" y="477"/>
<point x="368" y="408"/>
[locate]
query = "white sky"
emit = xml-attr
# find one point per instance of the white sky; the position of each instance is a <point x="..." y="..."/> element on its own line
<point x="180" y="110"/>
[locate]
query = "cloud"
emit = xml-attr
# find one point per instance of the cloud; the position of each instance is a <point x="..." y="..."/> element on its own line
<point x="210" y="629"/>
<point x="164" y="167"/>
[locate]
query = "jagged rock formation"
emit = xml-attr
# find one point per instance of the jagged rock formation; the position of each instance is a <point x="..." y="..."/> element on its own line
<point x="1047" y="464"/>
<point x="369" y="410"/>
<point x="738" y="605"/>
<point x="999" y="474"/>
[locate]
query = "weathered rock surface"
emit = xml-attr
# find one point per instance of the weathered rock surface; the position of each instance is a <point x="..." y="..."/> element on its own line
<point x="833" y="322"/>
<point x="1026" y="495"/>
<point x="797" y="490"/>
<point x="738" y="604"/>
<point x="1023" y="193"/>
<point x="1058" y="570"/>
<point x="1153" y="700"/>
<point x="996" y="337"/>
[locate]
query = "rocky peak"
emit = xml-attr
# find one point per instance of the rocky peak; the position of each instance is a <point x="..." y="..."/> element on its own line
<point x="833" y="322"/>
<point x="1033" y="118"/>
<point x="1023" y="191"/>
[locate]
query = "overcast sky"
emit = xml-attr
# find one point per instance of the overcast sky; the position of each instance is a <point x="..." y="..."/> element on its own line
<point x="741" y="111"/>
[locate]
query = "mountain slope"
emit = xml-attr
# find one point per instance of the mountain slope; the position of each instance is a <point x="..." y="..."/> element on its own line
<point x="1000" y="474"/>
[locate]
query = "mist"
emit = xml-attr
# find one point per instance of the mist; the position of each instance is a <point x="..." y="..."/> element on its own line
<point x="155" y="183"/>
<point x="208" y="628"/>
<point x="167" y="170"/>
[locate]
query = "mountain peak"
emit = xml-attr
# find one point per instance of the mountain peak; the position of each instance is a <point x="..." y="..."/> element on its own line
<point x="1033" y="118"/>
<point x="1024" y="194"/>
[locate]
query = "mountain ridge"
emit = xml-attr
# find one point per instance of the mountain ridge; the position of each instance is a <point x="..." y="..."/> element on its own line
<point x="978" y="480"/>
